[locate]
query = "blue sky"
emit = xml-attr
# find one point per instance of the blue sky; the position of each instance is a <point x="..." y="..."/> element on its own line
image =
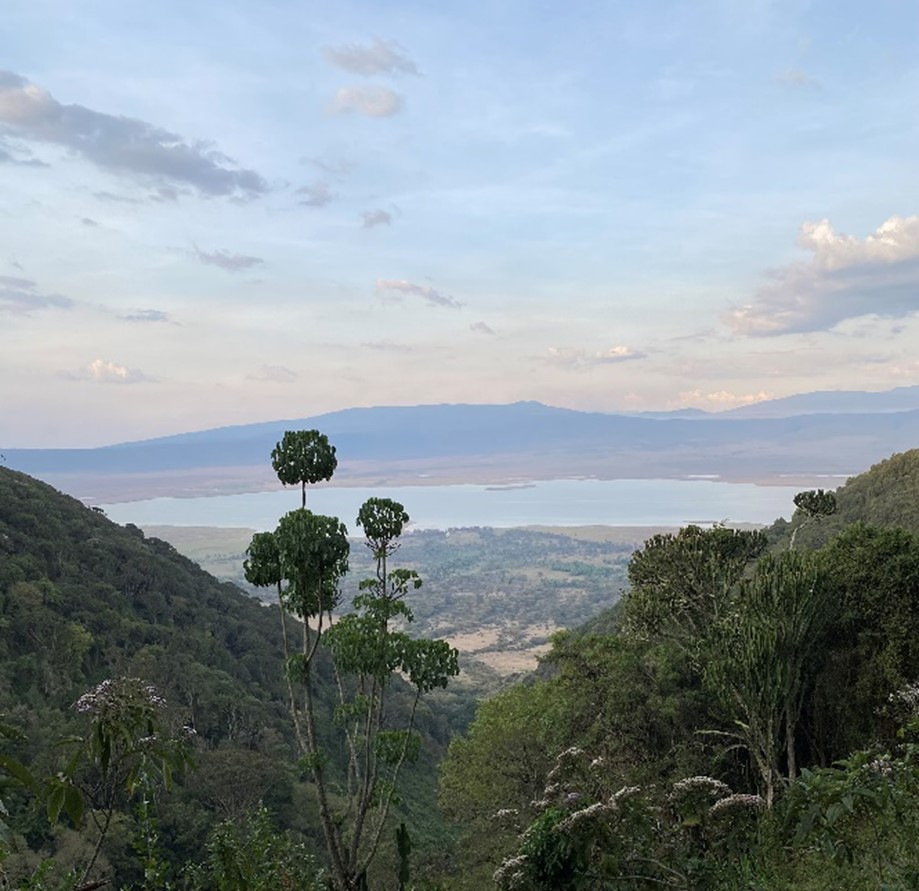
<point x="216" y="213"/>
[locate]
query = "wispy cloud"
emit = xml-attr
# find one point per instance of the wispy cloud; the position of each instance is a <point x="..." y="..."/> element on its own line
<point x="846" y="277"/>
<point x="576" y="359"/>
<point x="373" y="101"/>
<point x="227" y="261"/>
<point x="379" y="57"/>
<point x="376" y="217"/>
<point x="481" y="328"/>
<point x="146" y="315"/>
<point x="275" y="374"/>
<point x="318" y="195"/>
<point x="103" y="372"/>
<point x="427" y="293"/>
<point x="21" y="297"/>
<point x="121" y="145"/>
<point x="18" y="156"/>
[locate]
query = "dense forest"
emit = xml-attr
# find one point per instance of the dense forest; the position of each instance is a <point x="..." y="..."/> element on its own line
<point x="746" y="716"/>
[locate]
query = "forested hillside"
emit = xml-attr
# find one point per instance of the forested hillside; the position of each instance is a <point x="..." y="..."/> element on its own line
<point x="748" y="717"/>
<point x="886" y="495"/>
<point x="83" y="600"/>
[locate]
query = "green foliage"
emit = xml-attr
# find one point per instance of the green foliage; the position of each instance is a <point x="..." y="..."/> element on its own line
<point x="759" y="658"/>
<point x="262" y="566"/>
<point x="680" y="582"/>
<point x="83" y="599"/>
<point x="885" y="496"/>
<point x="816" y="503"/>
<point x="383" y="521"/>
<point x="250" y="854"/>
<point x="303" y="456"/>
<point x="634" y="705"/>
<point x="313" y="557"/>
<point x="588" y="833"/>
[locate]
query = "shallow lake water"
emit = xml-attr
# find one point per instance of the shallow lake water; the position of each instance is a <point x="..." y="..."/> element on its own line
<point x="547" y="503"/>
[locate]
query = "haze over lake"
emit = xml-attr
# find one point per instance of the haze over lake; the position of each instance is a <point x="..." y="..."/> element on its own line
<point x="551" y="503"/>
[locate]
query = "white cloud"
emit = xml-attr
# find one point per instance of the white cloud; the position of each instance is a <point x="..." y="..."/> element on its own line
<point x="226" y="260"/>
<point x="374" y="101"/>
<point x="101" y="371"/>
<point x="481" y="328"/>
<point x="580" y="359"/>
<point x="401" y="286"/>
<point x="121" y="145"/>
<point x="846" y="277"/>
<point x="377" y="217"/>
<point x="276" y="374"/>
<point x="719" y="400"/>
<point x="379" y="57"/>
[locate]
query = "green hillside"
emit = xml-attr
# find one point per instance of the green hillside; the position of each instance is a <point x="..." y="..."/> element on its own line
<point x="887" y="495"/>
<point x="83" y="600"/>
<point x="747" y="717"/>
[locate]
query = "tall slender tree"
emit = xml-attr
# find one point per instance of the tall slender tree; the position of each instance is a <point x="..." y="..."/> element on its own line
<point x="306" y="558"/>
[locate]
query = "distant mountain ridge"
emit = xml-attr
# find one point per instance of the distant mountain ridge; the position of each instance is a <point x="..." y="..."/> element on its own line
<point x="496" y="443"/>
<point x="831" y="401"/>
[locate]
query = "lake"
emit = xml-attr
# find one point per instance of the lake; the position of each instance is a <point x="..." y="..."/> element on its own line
<point x="586" y="502"/>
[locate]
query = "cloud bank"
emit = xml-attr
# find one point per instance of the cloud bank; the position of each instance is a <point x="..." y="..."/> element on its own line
<point x="846" y="277"/>
<point x="103" y="372"/>
<point x="121" y="145"/>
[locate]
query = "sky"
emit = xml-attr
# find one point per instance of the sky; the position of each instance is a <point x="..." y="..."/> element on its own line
<point x="221" y="213"/>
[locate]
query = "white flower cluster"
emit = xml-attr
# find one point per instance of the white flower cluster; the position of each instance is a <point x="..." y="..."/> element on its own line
<point x="510" y="872"/>
<point x="907" y="695"/>
<point x="505" y="813"/>
<point x="736" y="802"/>
<point x="113" y="691"/>
<point x="595" y="811"/>
<point x="706" y="785"/>
<point x="561" y="761"/>
<point x="881" y="765"/>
